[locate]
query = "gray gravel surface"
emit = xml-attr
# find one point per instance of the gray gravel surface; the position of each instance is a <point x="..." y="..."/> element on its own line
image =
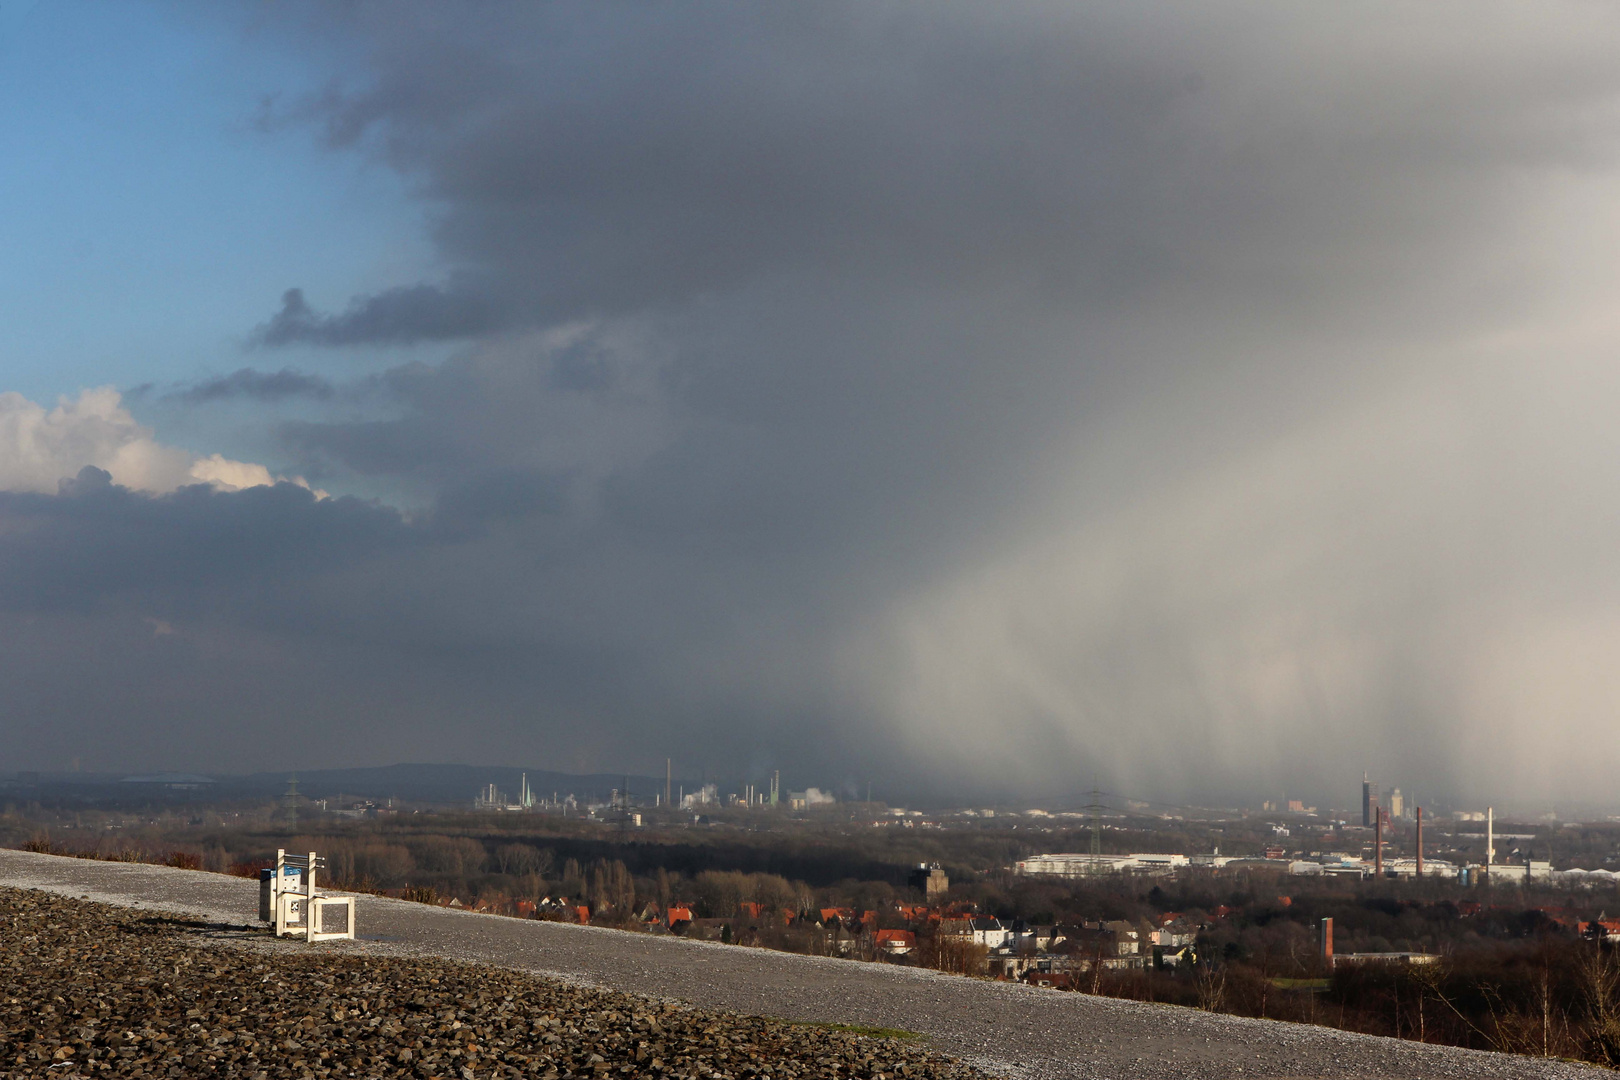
<point x="1006" y="1029"/>
<point x="88" y="989"/>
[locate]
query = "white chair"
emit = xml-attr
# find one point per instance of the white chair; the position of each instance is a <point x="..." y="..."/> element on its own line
<point x="296" y="905"/>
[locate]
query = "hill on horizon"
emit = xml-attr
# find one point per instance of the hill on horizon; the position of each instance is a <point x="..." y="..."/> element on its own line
<point x="439" y="783"/>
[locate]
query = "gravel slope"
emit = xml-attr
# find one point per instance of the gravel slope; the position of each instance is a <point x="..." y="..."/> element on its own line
<point x="1006" y="1029"/>
<point x="92" y="989"/>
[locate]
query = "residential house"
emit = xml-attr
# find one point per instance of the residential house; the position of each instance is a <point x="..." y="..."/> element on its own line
<point x="1115" y="944"/>
<point x="1174" y="935"/>
<point x="991" y="933"/>
<point x="1035" y="938"/>
<point x="1007" y="964"/>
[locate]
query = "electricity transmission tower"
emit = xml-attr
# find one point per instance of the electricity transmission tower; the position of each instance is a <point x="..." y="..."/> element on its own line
<point x="1095" y="809"/>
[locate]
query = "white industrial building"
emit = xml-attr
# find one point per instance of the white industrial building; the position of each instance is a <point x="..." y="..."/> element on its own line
<point x="1084" y="864"/>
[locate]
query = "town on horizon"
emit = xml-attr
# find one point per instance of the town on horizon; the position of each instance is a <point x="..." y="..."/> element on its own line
<point x="445" y="784"/>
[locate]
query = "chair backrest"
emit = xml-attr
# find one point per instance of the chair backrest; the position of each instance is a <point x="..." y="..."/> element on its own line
<point x="293" y="883"/>
<point x="294" y="878"/>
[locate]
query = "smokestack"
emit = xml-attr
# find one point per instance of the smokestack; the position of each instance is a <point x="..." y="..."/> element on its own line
<point x="668" y="775"/>
<point x="1327" y="941"/>
<point x="1420" y="841"/>
<point x="1490" y="839"/>
<point x="1378" y="843"/>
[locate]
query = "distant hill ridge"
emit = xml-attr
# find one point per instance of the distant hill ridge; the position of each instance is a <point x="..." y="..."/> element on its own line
<point x="438" y="783"/>
<point x="412" y="782"/>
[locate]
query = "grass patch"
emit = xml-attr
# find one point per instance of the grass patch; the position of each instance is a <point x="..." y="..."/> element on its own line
<point x="1302" y="984"/>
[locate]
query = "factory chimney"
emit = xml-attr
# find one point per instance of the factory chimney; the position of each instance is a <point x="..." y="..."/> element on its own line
<point x="1327" y="941"/>
<point x="1378" y="844"/>
<point x="1490" y="839"/>
<point x="668" y="775"/>
<point x="1420" y="841"/>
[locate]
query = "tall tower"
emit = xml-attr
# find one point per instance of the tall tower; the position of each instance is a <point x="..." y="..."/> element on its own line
<point x="1490" y="839"/>
<point x="1420" y="841"/>
<point x="1366" y="802"/>
<point x="1397" y="805"/>
<point x="1095" y="808"/>
<point x="1378" y="844"/>
<point x="292" y="802"/>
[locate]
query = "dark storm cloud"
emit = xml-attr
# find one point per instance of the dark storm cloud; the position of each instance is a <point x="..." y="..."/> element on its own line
<point x="611" y="162"/>
<point x="1199" y="397"/>
<point x="506" y="493"/>
<point x="396" y="317"/>
<point x="217" y="626"/>
<point x="874" y="302"/>
<point x="257" y="386"/>
<point x="97" y="542"/>
<point x="583" y="160"/>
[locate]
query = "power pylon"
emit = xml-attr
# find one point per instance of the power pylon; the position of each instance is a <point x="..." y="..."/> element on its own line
<point x="1095" y="809"/>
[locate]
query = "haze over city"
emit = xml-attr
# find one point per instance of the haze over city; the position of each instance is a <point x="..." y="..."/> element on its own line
<point x="1201" y="402"/>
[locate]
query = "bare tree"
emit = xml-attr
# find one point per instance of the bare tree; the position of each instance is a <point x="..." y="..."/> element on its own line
<point x="1211" y="988"/>
<point x="522" y="859"/>
<point x="1599" y="975"/>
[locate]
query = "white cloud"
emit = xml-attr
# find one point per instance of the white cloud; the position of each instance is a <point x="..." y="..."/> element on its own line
<point x="40" y="447"/>
<point x="222" y="472"/>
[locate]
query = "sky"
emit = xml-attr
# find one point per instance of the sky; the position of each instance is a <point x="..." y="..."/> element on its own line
<point x="1207" y="403"/>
